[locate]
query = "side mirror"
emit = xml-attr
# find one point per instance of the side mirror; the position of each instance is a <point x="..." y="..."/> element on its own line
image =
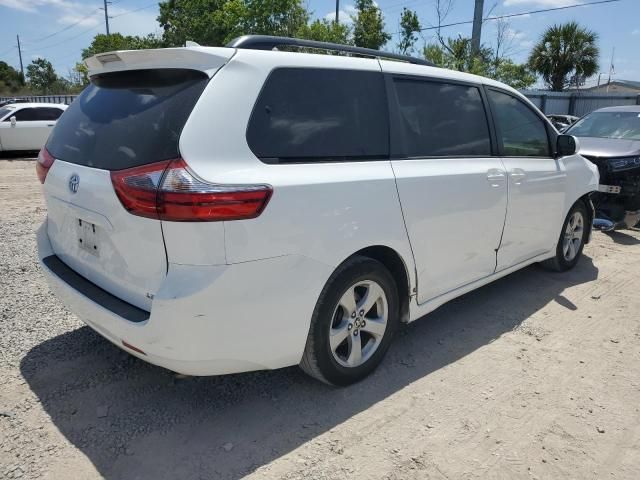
<point x="566" y="145"/>
<point x="13" y="121"/>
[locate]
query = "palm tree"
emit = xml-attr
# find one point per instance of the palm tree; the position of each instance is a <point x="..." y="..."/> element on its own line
<point x="563" y="52"/>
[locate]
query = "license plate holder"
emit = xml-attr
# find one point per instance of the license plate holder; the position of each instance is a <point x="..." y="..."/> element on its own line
<point x="88" y="234"/>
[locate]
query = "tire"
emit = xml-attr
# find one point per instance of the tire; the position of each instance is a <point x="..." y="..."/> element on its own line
<point x="335" y="334"/>
<point x="575" y="231"/>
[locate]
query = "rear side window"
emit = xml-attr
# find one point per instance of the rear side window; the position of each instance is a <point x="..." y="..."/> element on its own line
<point x="50" y="113"/>
<point x="523" y="133"/>
<point x="441" y="119"/>
<point x="308" y="115"/>
<point x="127" y="119"/>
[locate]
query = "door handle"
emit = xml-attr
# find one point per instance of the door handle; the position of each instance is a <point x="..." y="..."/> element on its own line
<point x="517" y="174"/>
<point x="495" y="176"/>
<point x="51" y="124"/>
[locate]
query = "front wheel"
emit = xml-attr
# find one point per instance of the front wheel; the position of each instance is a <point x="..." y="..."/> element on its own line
<point x="353" y="323"/>
<point x="573" y="236"/>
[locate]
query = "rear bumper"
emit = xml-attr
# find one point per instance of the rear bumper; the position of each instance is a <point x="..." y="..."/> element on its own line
<point x="208" y="320"/>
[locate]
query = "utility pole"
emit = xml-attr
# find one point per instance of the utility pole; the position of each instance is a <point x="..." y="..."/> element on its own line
<point x="337" y="11"/>
<point x="20" y="55"/>
<point x="106" y="15"/>
<point x="477" y="27"/>
<point x="611" y="68"/>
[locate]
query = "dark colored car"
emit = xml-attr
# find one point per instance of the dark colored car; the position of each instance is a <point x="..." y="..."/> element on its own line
<point x="610" y="138"/>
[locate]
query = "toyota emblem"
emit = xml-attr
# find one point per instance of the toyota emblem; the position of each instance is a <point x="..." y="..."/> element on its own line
<point x="74" y="183"/>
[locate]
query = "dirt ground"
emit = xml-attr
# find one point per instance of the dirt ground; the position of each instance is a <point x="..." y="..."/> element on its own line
<point x="534" y="376"/>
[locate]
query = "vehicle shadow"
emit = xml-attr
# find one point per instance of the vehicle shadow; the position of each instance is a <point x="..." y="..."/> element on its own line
<point x="134" y="420"/>
<point x="623" y="238"/>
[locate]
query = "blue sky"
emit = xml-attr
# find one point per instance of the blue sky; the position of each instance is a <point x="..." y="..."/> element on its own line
<point x="59" y="29"/>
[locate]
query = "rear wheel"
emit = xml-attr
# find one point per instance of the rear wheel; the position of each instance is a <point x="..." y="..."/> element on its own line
<point x="353" y="323"/>
<point x="572" y="239"/>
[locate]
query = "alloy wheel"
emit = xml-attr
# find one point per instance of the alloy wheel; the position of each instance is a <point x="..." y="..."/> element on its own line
<point x="358" y="324"/>
<point x="573" y="235"/>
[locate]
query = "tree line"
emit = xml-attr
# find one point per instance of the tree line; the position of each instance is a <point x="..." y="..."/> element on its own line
<point x="563" y="55"/>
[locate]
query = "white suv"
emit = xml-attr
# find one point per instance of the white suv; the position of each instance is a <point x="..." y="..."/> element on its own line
<point x="219" y="210"/>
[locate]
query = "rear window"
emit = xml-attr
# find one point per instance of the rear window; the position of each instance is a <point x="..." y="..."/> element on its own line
<point x="127" y="119"/>
<point x="315" y="115"/>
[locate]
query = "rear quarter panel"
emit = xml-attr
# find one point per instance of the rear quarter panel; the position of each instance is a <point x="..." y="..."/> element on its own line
<point x="323" y="211"/>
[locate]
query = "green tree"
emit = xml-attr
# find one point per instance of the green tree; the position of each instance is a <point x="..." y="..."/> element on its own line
<point x="565" y="51"/>
<point x="458" y="56"/>
<point x="41" y="76"/>
<point x="10" y="79"/>
<point x="409" y="27"/>
<point x="216" y="22"/>
<point x="513" y="74"/>
<point x="326" y="31"/>
<point x="368" y="25"/>
<point x="107" y="43"/>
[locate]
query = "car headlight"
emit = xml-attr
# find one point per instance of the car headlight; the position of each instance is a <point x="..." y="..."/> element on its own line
<point x="624" y="163"/>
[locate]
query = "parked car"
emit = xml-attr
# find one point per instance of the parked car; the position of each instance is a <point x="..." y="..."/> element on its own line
<point x="13" y="100"/>
<point x="219" y="210"/>
<point x="26" y="126"/>
<point x="610" y="138"/>
<point x="562" y="122"/>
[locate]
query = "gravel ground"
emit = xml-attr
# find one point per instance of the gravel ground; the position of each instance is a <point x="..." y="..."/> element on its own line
<point x="534" y="376"/>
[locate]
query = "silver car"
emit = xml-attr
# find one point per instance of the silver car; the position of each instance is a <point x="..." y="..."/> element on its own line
<point x="610" y="138"/>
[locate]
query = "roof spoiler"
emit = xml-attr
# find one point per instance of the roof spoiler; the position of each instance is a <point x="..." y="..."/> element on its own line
<point x="204" y="59"/>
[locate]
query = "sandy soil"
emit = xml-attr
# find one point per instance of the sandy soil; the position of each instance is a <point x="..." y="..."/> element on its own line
<point x="534" y="376"/>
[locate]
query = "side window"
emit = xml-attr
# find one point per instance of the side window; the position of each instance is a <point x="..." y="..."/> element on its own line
<point x="442" y="119"/>
<point x="309" y="114"/>
<point x="49" y="113"/>
<point x="523" y="133"/>
<point x="25" y="115"/>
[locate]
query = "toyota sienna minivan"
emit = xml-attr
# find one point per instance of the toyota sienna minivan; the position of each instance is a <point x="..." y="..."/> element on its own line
<point x="220" y="210"/>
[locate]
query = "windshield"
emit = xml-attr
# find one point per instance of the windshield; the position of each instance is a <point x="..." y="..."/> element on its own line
<point x="5" y="111"/>
<point x="622" y="125"/>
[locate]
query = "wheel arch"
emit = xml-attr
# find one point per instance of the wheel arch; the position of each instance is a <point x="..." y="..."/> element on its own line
<point x="396" y="265"/>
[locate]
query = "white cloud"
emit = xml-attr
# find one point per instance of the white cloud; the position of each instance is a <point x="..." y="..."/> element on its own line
<point x="540" y="3"/>
<point x="82" y="20"/>
<point x="33" y="5"/>
<point x="345" y="14"/>
<point x="141" y="22"/>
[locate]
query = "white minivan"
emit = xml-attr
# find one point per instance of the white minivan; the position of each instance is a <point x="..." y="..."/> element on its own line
<point x="220" y="210"/>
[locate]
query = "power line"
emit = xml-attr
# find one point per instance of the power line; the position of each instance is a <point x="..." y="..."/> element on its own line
<point x="68" y="27"/>
<point x="136" y="10"/>
<point x="521" y="14"/>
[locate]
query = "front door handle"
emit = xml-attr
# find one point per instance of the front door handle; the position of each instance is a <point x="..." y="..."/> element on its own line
<point x="495" y="177"/>
<point x="518" y="175"/>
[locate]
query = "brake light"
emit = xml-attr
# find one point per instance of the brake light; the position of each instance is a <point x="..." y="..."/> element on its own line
<point x="45" y="160"/>
<point x="170" y="191"/>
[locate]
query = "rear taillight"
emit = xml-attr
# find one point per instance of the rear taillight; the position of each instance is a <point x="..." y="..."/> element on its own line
<point x="170" y="191"/>
<point x="45" y="160"/>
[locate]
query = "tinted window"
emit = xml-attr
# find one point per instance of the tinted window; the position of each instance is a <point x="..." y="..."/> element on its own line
<point x="523" y="133"/>
<point x="49" y="113"/>
<point x="127" y="119"/>
<point x="26" y="115"/>
<point x="320" y="115"/>
<point x="440" y="119"/>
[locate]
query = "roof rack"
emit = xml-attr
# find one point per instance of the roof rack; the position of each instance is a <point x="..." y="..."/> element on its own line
<point x="267" y="42"/>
